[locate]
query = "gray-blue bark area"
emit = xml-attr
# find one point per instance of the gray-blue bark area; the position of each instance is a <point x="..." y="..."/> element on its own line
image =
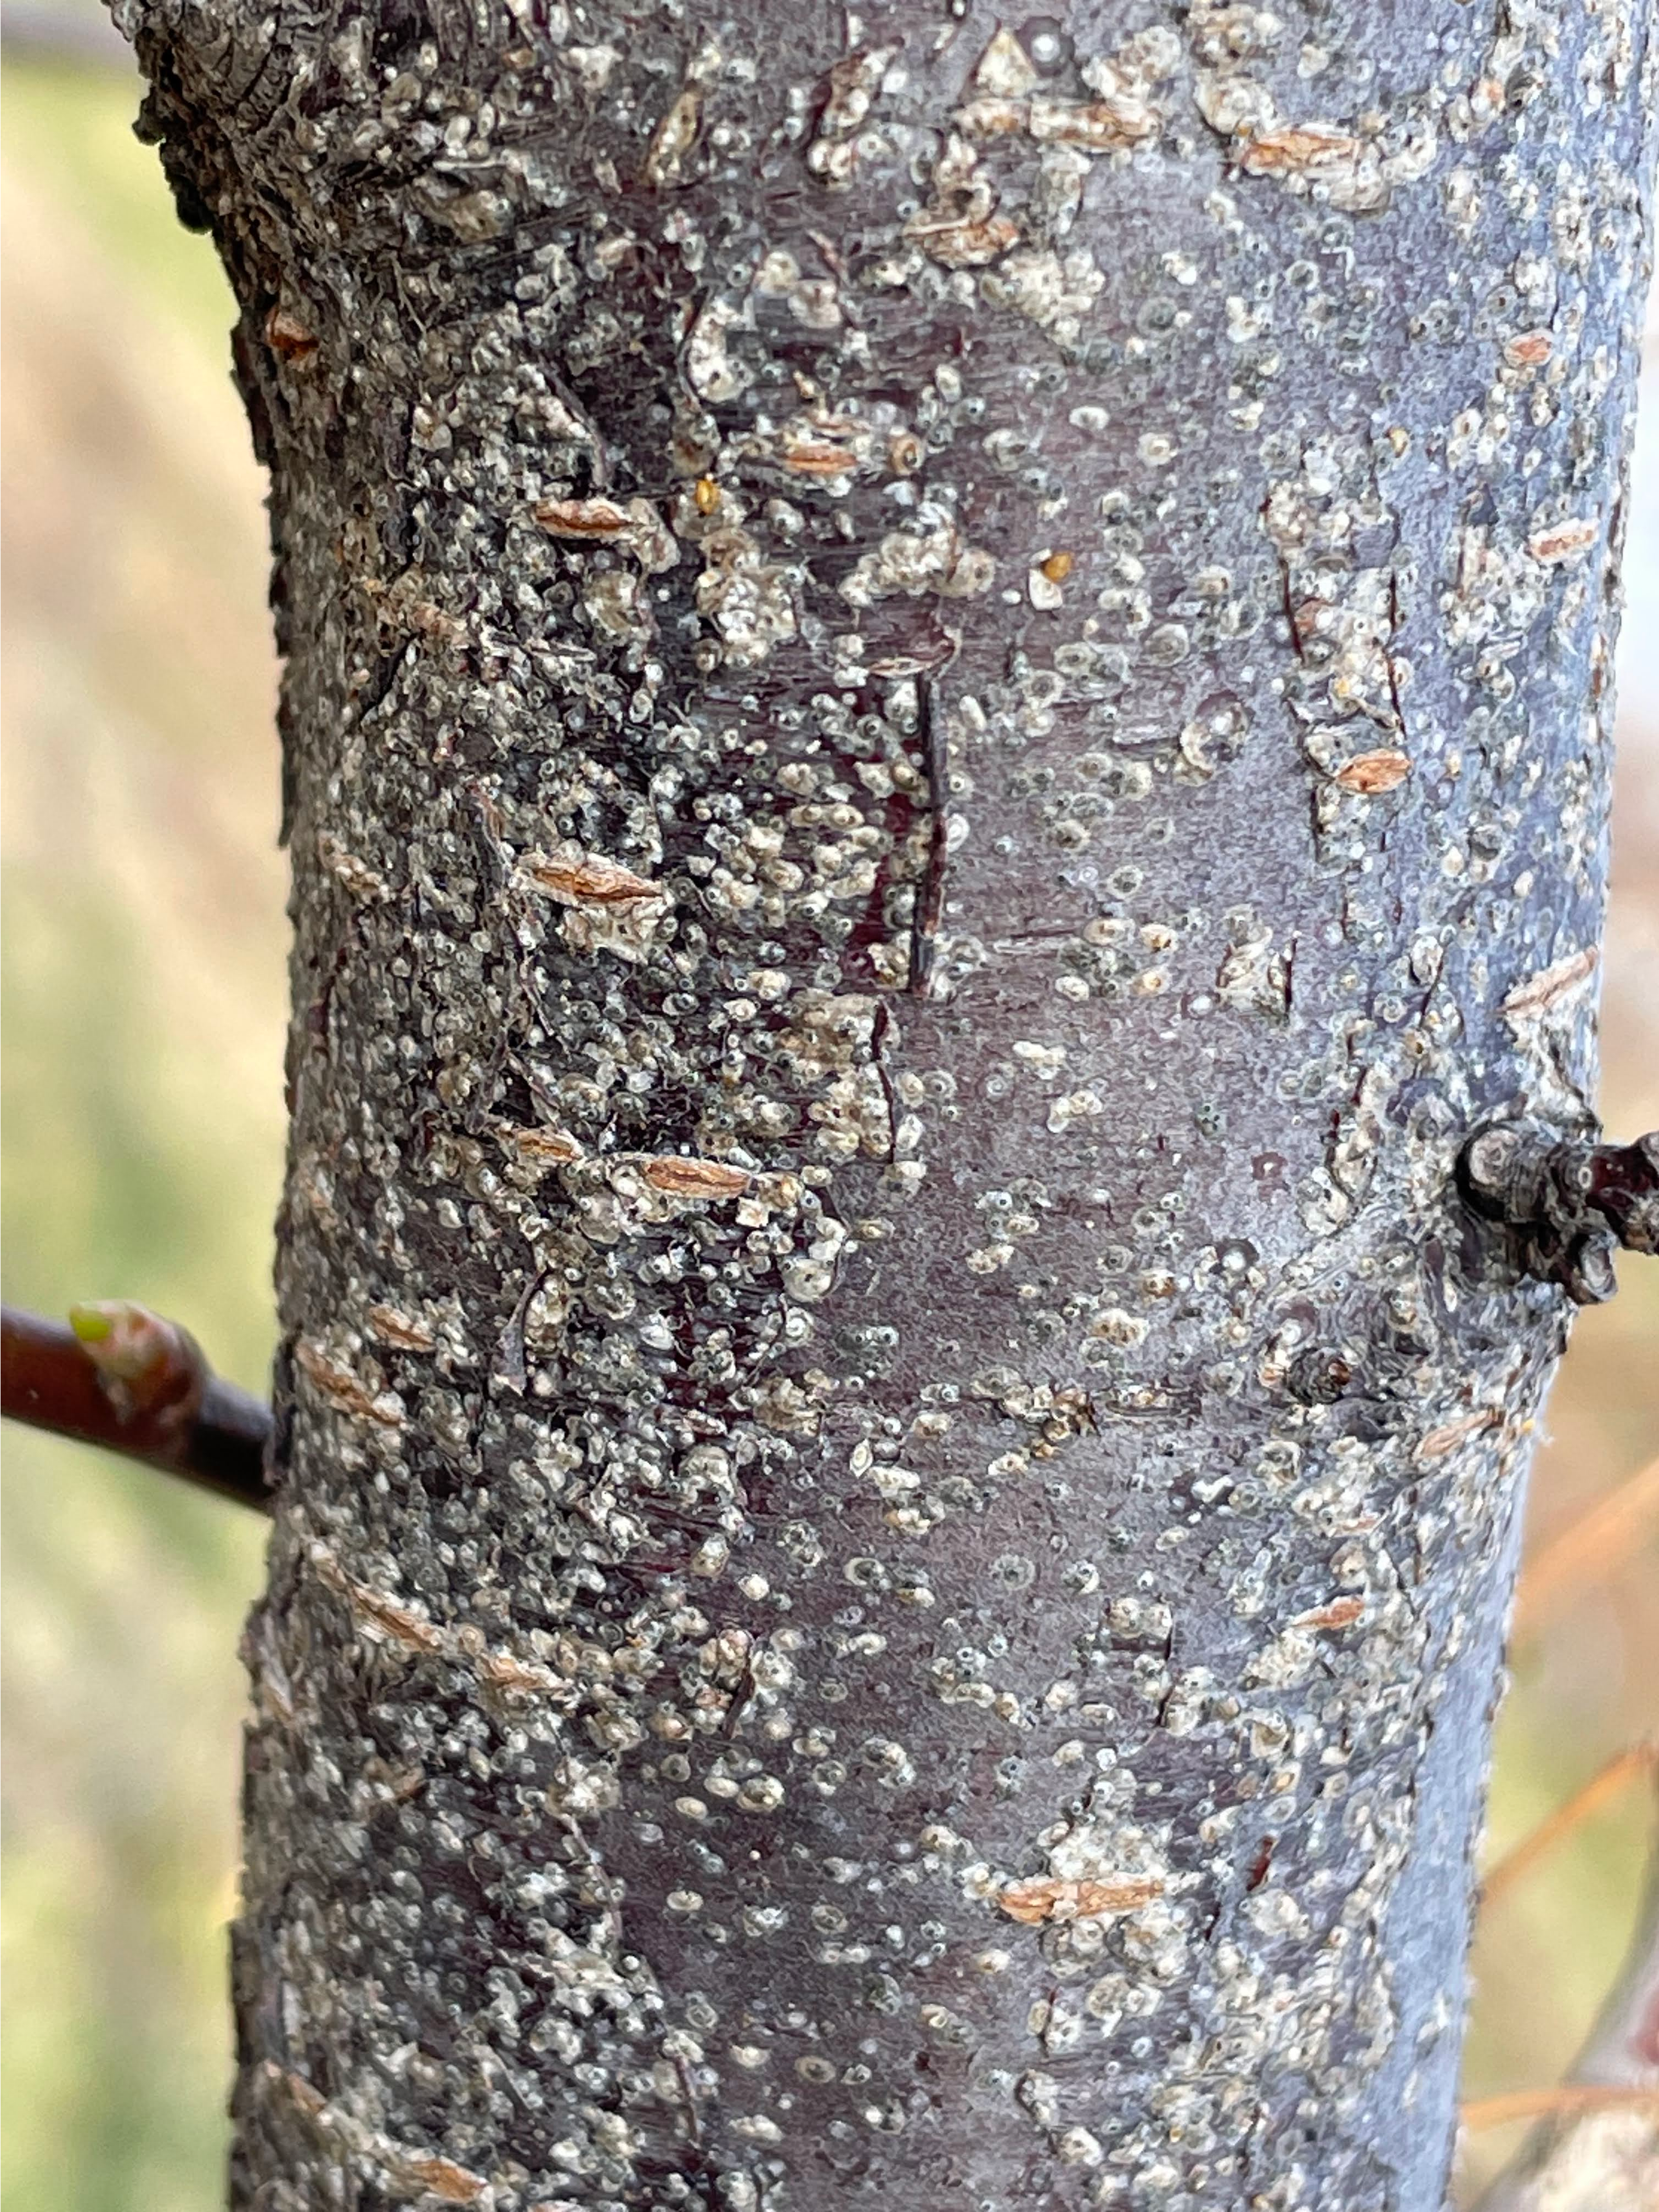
<point x="947" y="724"/>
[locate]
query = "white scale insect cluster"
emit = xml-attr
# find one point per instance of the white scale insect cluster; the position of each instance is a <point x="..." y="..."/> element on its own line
<point x="945" y="721"/>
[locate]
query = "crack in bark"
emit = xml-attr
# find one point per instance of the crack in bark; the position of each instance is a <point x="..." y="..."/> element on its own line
<point x="929" y="908"/>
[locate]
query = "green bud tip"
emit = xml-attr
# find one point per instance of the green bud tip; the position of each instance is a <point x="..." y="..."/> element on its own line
<point x="91" y="1324"/>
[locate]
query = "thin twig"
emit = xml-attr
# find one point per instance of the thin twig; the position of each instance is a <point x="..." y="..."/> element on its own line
<point x="1566" y="2098"/>
<point x="121" y="1377"/>
<point x="1581" y="1554"/>
<point x="1603" y="1785"/>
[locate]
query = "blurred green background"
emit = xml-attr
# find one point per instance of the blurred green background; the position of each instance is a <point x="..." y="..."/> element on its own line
<point x="143" y="948"/>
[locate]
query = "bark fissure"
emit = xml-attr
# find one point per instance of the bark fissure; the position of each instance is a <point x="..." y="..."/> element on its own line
<point x="929" y="898"/>
<point x="899" y="1460"/>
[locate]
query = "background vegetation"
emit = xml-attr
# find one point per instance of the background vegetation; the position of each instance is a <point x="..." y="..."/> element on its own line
<point x="143" y="948"/>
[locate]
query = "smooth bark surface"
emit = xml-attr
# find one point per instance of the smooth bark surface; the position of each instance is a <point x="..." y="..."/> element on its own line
<point x="947" y="726"/>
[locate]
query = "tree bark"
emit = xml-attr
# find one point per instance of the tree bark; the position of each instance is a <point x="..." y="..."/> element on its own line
<point x="946" y="725"/>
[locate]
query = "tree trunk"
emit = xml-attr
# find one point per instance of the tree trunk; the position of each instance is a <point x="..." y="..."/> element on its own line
<point x="947" y="725"/>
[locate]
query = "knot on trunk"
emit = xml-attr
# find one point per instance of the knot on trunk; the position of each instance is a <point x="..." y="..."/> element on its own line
<point x="1568" y="1202"/>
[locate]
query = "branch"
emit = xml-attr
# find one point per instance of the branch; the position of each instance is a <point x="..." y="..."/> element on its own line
<point x="1568" y="1203"/>
<point x="1586" y="1551"/>
<point x="1603" y="1785"/>
<point x="1564" y="2100"/>
<point x="121" y="1377"/>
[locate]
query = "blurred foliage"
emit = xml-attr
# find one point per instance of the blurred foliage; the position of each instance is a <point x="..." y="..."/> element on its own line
<point x="144" y="1008"/>
<point x="142" y="963"/>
